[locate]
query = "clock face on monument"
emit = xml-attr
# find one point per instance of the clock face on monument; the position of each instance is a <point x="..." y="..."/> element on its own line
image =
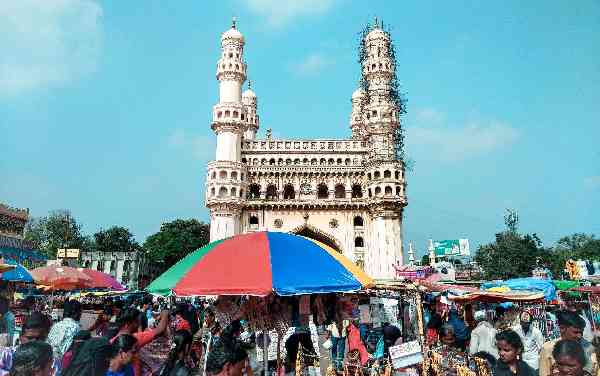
<point x="305" y="188"/>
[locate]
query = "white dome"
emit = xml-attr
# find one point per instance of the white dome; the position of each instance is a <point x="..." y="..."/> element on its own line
<point x="249" y="94"/>
<point x="358" y="93"/>
<point x="232" y="33"/>
<point x="377" y="33"/>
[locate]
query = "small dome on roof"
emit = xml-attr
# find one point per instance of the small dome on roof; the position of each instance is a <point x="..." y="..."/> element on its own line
<point x="358" y="93"/>
<point x="377" y="33"/>
<point x="249" y="94"/>
<point x="232" y="33"/>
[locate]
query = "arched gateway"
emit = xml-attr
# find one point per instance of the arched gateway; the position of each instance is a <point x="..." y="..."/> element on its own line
<point x="318" y="235"/>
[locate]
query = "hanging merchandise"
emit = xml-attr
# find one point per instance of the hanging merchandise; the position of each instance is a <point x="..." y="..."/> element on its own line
<point x="304" y="305"/>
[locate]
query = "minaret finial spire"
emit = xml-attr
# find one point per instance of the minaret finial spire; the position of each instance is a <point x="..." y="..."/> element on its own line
<point x="376" y="21"/>
<point x="249" y="84"/>
<point x="233" y="22"/>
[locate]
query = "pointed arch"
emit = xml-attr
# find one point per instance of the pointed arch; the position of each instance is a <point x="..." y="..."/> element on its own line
<point x="312" y="232"/>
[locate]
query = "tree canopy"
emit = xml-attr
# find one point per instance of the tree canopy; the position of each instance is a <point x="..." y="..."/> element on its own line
<point x="512" y="254"/>
<point x="57" y="230"/>
<point x="115" y="239"/>
<point x="176" y="239"/>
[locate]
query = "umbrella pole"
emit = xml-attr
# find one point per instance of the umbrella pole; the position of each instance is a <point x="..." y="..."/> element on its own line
<point x="265" y="352"/>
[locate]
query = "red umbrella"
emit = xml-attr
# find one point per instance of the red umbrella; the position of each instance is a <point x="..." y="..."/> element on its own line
<point x="60" y="277"/>
<point x="102" y="280"/>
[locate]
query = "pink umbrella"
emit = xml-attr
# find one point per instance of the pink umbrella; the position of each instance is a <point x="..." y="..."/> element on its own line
<point x="102" y="280"/>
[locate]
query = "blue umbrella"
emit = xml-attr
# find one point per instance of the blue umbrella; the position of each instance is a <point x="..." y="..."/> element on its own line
<point x="18" y="274"/>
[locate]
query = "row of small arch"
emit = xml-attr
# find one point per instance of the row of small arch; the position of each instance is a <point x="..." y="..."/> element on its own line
<point x="232" y="66"/>
<point x="228" y="115"/>
<point x="387" y="174"/>
<point x="374" y="66"/>
<point x="289" y="192"/>
<point x="233" y="175"/>
<point x="305" y="161"/>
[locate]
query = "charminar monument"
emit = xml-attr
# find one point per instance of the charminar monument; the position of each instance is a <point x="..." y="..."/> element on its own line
<point x="348" y="193"/>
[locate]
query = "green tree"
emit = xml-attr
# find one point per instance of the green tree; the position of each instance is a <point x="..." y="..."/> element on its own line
<point x="512" y="254"/>
<point x="425" y="260"/>
<point x="176" y="239"/>
<point x="115" y="239"/>
<point x="576" y="247"/>
<point x="57" y="230"/>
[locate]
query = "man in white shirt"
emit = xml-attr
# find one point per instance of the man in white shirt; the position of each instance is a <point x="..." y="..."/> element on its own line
<point x="532" y="338"/>
<point x="483" y="337"/>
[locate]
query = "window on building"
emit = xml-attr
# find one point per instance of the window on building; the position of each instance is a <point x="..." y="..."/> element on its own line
<point x="288" y="192"/>
<point x="377" y="191"/>
<point x="322" y="191"/>
<point x="358" y="221"/>
<point x="271" y="192"/>
<point x="272" y="161"/>
<point x="253" y="222"/>
<point x="222" y="192"/>
<point x="340" y="191"/>
<point x="387" y="174"/>
<point x="376" y="175"/>
<point x="398" y="190"/>
<point x="388" y="191"/>
<point x="359" y="242"/>
<point x="233" y="175"/>
<point x="254" y="191"/>
<point x="397" y="175"/>
<point x="357" y="191"/>
<point x="222" y="174"/>
<point x="233" y="192"/>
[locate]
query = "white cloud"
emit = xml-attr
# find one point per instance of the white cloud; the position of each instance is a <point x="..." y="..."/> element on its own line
<point x="201" y="147"/>
<point x="312" y="64"/>
<point x="446" y="143"/>
<point x="278" y="13"/>
<point x="47" y="43"/>
<point x="429" y="117"/>
<point x="592" y="182"/>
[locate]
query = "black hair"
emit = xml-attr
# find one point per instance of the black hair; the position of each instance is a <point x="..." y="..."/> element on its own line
<point x="182" y="339"/>
<point x="4" y="305"/>
<point x="93" y="358"/>
<point x="219" y="356"/>
<point x="570" y="319"/>
<point x="512" y="338"/>
<point x="124" y="343"/>
<point x="37" y="320"/>
<point x="72" y="309"/>
<point x="128" y="316"/>
<point x="108" y="310"/>
<point x="570" y="348"/>
<point x="31" y="357"/>
<point x="446" y="329"/>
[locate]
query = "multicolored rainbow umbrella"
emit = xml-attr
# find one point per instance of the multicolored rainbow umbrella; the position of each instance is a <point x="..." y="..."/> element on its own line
<point x="259" y="264"/>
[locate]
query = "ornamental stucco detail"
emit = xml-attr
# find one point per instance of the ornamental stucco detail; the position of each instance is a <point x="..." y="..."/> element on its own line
<point x="347" y="193"/>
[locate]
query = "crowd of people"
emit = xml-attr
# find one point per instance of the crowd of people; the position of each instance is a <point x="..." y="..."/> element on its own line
<point x="116" y="343"/>
<point x="514" y="346"/>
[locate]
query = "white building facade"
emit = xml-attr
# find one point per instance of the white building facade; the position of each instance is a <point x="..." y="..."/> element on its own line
<point x="347" y="193"/>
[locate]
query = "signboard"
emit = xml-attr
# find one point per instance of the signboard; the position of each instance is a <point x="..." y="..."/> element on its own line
<point x="67" y="253"/>
<point x="454" y="247"/>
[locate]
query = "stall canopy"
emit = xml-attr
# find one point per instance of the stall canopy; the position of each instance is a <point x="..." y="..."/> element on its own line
<point x="60" y="278"/>
<point x="259" y="264"/>
<point x="525" y="284"/>
<point x="17" y="274"/>
<point x="589" y="289"/>
<point x="102" y="280"/>
<point x="499" y="297"/>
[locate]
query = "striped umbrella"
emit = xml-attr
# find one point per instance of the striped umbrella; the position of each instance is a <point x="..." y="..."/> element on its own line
<point x="259" y="264"/>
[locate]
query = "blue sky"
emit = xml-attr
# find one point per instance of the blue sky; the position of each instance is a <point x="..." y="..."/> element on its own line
<point x="105" y="106"/>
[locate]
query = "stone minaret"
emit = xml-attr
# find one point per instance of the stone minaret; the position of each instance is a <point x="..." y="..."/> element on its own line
<point x="385" y="172"/>
<point x="250" y="103"/>
<point x="226" y="181"/>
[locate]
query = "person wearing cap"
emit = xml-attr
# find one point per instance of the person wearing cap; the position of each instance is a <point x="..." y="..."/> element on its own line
<point x="483" y="336"/>
<point x="532" y="339"/>
<point x="571" y="327"/>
